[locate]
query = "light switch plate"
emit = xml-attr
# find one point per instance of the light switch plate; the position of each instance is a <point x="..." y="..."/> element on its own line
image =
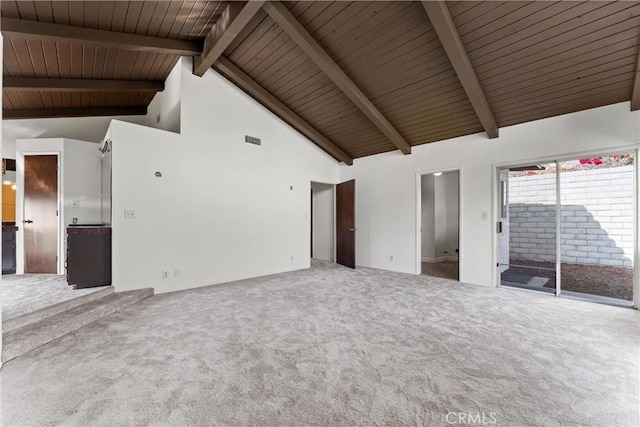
<point x="76" y="203"/>
<point x="129" y="214"/>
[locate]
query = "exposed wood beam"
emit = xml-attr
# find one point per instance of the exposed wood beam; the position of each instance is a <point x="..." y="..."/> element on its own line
<point x="448" y="34"/>
<point x="32" y="30"/>
<point x="72" y="112"/>
<point x="80" y="85"/>
<point x="248" y="29"/>
<point x="234" y="18"/>
<point x="635" y="95"/>
<point x="247" y="84"/>
<point x="281" y="15"/>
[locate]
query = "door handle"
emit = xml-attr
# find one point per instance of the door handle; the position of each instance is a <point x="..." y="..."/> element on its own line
<point x="27" y="221"/>
<point x="352" y="229"/>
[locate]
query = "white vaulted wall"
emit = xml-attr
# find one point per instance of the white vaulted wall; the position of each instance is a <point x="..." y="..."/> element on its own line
<point x="386" y="184"/>
<point x="223" y="209"/>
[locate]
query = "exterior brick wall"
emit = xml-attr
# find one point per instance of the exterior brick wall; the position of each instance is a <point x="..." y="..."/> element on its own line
<point x="596" y="217"/>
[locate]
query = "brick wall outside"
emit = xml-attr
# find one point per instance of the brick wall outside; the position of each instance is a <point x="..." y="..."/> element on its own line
<point x="596" y="217"/>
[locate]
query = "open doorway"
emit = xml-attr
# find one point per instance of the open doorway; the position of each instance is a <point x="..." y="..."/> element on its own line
<point x="9" y="216"/>
<point x="439" y="237"/>
<point x="323" y="221"/>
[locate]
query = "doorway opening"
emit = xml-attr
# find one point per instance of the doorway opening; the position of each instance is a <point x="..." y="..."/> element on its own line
<point x="323" y="221"/>
<point x="567" y="228"/>
<point x="439" y="237"/>
<point x="9" y="228"/>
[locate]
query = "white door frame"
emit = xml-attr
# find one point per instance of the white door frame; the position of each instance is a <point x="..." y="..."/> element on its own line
<point x="20" y="255"/>
<point x="495" y="215"/>
<point x="418" y="232"/>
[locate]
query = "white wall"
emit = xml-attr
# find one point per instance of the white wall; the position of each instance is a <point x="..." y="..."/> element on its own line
<point x="223" y="210"/>
<point x="78" y="187"/>
<point x="80" y="128"/>
<point x="323" y="221"/>
<point x="386" y="203"/>
<point x="81" y="173"/>
<point x="163" y="111"/>
<point x="428" y="217"/>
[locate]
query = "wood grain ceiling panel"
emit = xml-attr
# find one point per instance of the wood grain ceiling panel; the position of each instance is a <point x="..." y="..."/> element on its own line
<point x="273" y="60"/>
<point x="59" y="100"/>
<point x="622" y="35"/>
<point x="34" y="58"/>
<point x="552" y="35"/>
<point x="185" y="20"/>
<point x="555" y="57"/>
<point x="534" y="59"/>
<point x="391" y="48"/>
<point x="457" y="8"/>
<point x="60" y="60"/>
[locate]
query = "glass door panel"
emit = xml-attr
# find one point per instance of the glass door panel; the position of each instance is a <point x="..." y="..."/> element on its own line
<point x="597" y="226"/>
<point x="528" y="206"/>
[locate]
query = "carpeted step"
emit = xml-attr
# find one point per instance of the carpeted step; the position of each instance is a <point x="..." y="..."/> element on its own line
<point x="31" y="336"/>
<point x="9" y="325"/>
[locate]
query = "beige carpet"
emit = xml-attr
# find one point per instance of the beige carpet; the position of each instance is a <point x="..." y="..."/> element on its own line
<point x="334" y="346"/>
<point x="25" y="293"/>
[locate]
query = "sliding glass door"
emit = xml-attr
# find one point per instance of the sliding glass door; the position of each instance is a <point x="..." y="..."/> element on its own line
<point x="568" y="227"/>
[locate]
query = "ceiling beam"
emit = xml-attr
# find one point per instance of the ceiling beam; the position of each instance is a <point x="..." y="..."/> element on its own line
<point x="250" y="86"/>
<point x="635" y="95"/>
<point x="281" y="15"/>
<point x="450" y="39"/>
<point x="72" y="112"/>
<point x="32" y="30"/>
<point x="234" y="18"/>
<point x="83" y="85"/>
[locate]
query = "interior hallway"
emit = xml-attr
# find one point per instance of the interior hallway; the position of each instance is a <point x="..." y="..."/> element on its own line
<point x="335" y="346"/>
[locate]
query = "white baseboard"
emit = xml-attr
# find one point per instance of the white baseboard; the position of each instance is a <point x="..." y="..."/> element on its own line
<point x="441" y="258"/>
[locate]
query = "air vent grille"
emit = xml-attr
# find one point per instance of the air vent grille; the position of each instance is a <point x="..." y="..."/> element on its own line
<point x="252" y="140"/>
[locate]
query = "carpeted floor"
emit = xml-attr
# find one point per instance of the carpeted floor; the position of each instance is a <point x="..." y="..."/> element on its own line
<point x="26" y="293"/>
<point x="442" y="269"/>
<point x="334" y="346"/>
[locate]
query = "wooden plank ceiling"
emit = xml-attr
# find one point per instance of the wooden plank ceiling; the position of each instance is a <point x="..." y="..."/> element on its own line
<point x="357" y="78"/>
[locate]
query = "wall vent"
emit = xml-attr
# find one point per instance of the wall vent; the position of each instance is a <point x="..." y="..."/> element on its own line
<point x="252" y="140"/>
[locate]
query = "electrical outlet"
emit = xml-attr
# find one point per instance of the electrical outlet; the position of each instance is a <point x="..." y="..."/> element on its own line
<point x="76" y="203"/>
<point x="165" y="274"/>
<point x="129" y="214"/>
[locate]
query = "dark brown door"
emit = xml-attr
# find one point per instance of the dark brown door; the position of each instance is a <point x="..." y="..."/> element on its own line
<point x="346" y="223"/>
<point x="40" y="219"/>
